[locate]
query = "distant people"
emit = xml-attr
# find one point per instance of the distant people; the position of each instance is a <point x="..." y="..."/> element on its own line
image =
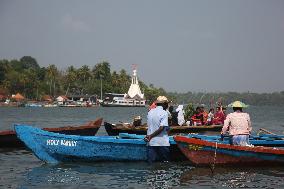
<point x="210" y="117"/>
<point x="170" y="112"/>
<point x="180" y="116"/>
<point x="137" y="121"/>
<point x="219" y="116"/>
<point x="197" y="118"/>
<point x="173" y="119"/>
<point x="238" y="125"/>
<point x="204" y="113"/>
<point x="157" y="135"/>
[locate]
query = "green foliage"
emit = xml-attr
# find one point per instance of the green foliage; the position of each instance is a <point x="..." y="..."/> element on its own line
<point x="210" y="99"/>
<point x="102" y="70"/>
<point x="27" y="77"/>
<point x="189" y="111"/>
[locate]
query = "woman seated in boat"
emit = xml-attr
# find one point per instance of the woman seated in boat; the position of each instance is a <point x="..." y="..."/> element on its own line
<point x="204" y="113"/>
<point x="210" y="117"/>
<point x="238" y="125"/>
<point x="197" y="118"/>
<point x="219" y="116"/>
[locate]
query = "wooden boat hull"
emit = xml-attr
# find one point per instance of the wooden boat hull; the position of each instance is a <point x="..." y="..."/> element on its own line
<point x="201" y="152"/>
<point x="54" y="148"/>
<point x="267" y="140"/>
<point x="114" y="130"/>
<point x="9" y="139"/>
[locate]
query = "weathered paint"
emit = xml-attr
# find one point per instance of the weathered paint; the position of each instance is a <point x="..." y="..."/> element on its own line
<point x="8" y="139"/>
<point x="202" y="152"/>
<point x="256" y="140"/>
<point x="54" y="148"/>
<point x="114" y="130"/>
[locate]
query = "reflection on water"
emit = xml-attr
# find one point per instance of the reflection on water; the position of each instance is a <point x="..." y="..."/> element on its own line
<point x="21" y="169"/>
<point x="106" y="175"/>
<point x="143" y="175"/>
<point x="243" y="177"/>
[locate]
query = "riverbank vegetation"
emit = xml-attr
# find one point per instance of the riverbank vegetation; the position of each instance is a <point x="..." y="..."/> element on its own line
<point x="25" y="76"/>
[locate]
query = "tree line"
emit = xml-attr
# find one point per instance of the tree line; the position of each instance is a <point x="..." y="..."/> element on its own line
<point x="28" y="78"/>
<point x="211" y="99"/>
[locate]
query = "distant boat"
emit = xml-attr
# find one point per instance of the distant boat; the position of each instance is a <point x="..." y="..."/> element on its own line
<point x="115" y="129"/>
<point x="121" y="100"/>
<point x="50" y="105"/>
<point x="133" y="98"/>
<point x="8" y="139"/>
<point x="203" y="152"/>
<point x="33" y="105"/>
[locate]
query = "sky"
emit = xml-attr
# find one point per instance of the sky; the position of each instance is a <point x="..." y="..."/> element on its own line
<point x="179" y="45"/>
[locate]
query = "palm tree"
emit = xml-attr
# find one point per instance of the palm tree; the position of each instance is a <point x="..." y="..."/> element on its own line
<point x="102" y="69"/>
<point x="52" y="74"/>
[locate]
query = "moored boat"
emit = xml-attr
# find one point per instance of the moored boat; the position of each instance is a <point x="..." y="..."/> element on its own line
<point x="54" y="148"/>
<point x="133" y="98"/>
<point x="115" y="129"/>
<point x="202" y="152"/>
<point x="8" y="139"/>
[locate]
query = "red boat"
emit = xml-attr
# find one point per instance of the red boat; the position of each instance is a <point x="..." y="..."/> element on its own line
<point x="8" y="139"/>
<point x="202" y="152"/>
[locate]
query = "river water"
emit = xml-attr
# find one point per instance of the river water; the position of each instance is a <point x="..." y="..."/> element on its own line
<point x="21" y="169"/>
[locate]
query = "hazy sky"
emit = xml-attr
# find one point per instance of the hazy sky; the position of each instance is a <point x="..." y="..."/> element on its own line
<point x="180" y="45"/>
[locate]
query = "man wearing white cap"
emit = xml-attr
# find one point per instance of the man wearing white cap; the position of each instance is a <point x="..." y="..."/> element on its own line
<point x="157" y="135"/>
<point x="238" y="125"/>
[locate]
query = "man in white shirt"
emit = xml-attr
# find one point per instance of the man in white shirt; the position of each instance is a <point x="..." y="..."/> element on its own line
<point x="157" y="135"/>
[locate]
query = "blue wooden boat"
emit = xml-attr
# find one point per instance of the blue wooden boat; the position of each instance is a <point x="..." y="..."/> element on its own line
<point x="204" y="152"/>
<point x="54" y="147"/>
<point x="267" y="140"/>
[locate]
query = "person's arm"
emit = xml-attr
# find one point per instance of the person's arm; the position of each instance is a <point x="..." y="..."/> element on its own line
<point x="163" y="124"/>
<point x="249" y="124"/>
<point x="226" y="126"/>
<point x="157" y="132"/>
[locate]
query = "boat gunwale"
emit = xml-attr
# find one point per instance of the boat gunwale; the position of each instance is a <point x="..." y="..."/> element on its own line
<point x="258" y="149"/>
<point x="89" y="125"/>
<point x="144" y="127"/>
<point x="105" y="139"/>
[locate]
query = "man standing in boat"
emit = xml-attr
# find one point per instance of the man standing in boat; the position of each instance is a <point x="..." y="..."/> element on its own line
<point x="157" y="135"/>
<point x="238" y="125"/>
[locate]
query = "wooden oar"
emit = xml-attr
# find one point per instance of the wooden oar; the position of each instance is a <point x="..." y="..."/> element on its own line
<point x="266" y="131"/>
<point x="270" y="133"/>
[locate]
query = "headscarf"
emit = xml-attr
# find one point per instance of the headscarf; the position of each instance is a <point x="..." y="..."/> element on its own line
<point x="179" y="108"/>
<point x="180" y="111"/>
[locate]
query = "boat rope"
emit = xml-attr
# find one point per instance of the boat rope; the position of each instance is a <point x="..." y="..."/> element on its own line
<point x="214" y="160"/>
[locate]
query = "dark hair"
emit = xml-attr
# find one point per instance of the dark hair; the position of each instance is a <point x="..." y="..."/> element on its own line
<point x="171" y="109"/>
<point x="164" y="105"/>
<point x="211" y="109"/>
<point x="237" y="108"/>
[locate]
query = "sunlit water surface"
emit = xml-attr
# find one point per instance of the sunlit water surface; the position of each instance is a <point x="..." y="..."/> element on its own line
<point x="21" y="169"/>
